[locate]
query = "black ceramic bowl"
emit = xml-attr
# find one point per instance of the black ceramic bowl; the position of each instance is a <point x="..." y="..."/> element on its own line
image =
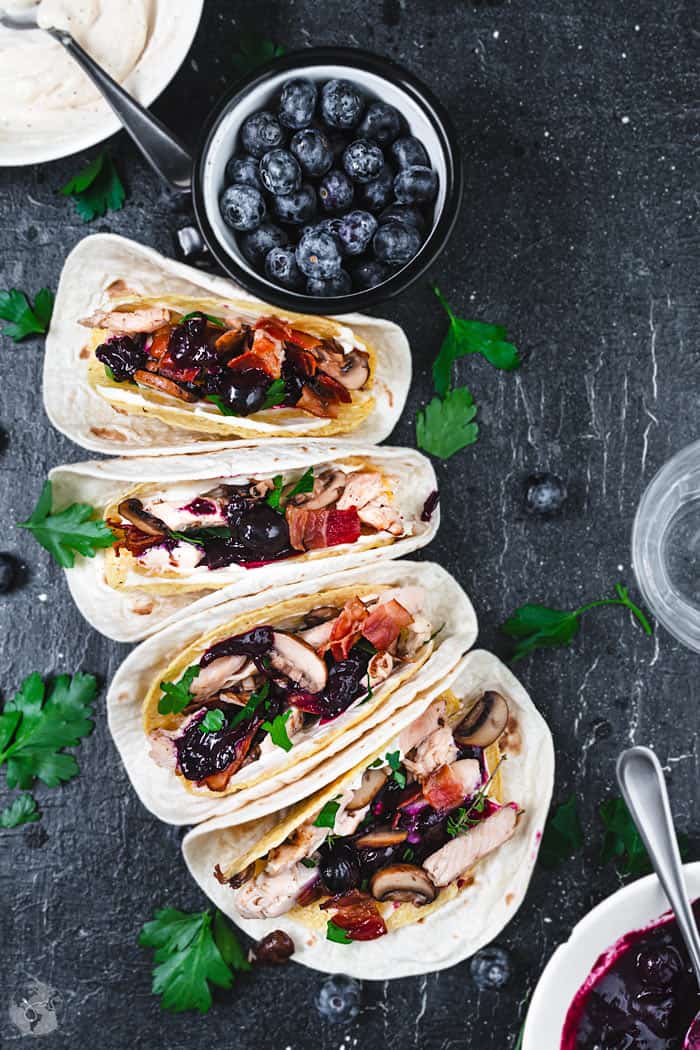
<point x="377" y="78"/>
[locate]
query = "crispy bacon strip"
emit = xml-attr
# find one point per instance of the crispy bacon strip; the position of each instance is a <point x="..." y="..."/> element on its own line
<point x="312" y="403"/>
<point x="357" y="913"/>
<point x="266" y="354"/>
<point x="347" y="628"/>
<point x="132" y="538"/>
<point x="449" y="785"/>
<point x="315" y="529"/>
<point x="385" y="623"/>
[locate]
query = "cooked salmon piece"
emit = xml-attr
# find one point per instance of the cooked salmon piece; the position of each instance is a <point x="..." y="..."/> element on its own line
<point x="464" y="851"/>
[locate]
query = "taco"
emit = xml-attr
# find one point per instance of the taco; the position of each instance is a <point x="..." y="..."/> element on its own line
<point x="242" y="693"/>
<point x="412" y="859"/>
<point x="148" y="354"/>
<point x="237" y="522"/>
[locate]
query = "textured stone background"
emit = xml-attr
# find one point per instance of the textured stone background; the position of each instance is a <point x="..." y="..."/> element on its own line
<point x="579" y="232"/>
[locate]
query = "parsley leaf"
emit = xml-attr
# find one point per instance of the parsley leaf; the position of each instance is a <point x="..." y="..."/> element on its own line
<point x="96" y="189"/>
<point x="254" y="701"/>
<point x="394" y="760"/>
<point x="275" y="494"/>
<point x="200" y="313"/>
<point x="35" y="727"/>
<point x="22" y="811"/>
<point x="470" y="337"/>
<point x="25" y="319"/>
<point x="223" y="408"/>
<point x="188" y="959"/>
<point x="537" y="626"/>
<point x="278" y="731"/>
<point x="70" y="530"/>
<point x="337" y="933"/>
<point x="304" y="484"/>
<point x="254" y="51"/>
<point x="444" y="427"/>
<point x="213" y="721"/>
<point x="228" y="944"/>
<point x="622" y="842"/>
<point x="177" y="694"/>
<point x="562" y="836"/>
<point x="326" y="818"/>
<point x="275" y="394"/>
<point x="309" y="862"/>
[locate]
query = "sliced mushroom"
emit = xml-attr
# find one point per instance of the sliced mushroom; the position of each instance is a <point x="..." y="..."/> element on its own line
<point x="373" y="780"/>
<point x="298" y="661"/>
<point x="485" y="722"/>
<point x="321" y="614"/>
<point x="165" y="386"/>
<point x="380" y="667"/>
<point x="403" y="882"/>
<point x="230" y="340"/>
<point x="235" y="880"/>
<point x="328" y="487"/>
<point x="132" y="510"/>
<point x="351" y="370"/>
<point x="217" y="675"/>
<point x="379" y="837"/>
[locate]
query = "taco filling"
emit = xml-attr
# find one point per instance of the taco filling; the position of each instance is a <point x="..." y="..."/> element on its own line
<point x="192" y="530"/>
<point x="268" y="687"/>
<point x="239" y="366"/>
<point x="406" y="830"/>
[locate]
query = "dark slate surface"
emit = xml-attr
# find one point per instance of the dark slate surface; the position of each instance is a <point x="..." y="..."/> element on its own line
<point x="579" y="232"/>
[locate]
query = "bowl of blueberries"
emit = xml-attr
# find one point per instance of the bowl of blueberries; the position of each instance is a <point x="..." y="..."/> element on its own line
<point x="328" y="181"/>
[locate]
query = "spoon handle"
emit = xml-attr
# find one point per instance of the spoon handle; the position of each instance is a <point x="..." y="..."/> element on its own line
<point x="162" y="150"/>
<point x="643" y="786"/>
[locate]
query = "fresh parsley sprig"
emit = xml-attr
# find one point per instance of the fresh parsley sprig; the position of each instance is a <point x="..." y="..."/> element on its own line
<point x="393" y="759"/>
<point x="445" y="426"/>
<point x="177" y="695"/>
<point x="274" y="395"/>
<point x="25" y="319"/>
<point x="623" y="843"/>
<point x="254" y="701"/>
<point x="253" y="51"/>
<point x="537" y="626"/>
<point x="470" y="337"/>
<point x="213" y="721"/>
<point x="465" y="817"/>
<point x="23" y="810"/>
<point x="304" y="484"/>
<point x="326" y="818"/>
<point x="72" y="530"/>
<point x="337" y="933"/>
<point x="96" y="188"/>
<point x="562" y="835"/>
<point x="277" y="729"/>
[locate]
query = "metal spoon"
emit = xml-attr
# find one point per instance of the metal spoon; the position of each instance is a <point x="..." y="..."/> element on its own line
<point x="643" y="786"/>
<point x="162" y="150"/>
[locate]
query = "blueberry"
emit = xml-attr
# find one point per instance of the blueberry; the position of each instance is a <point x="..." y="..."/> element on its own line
<point x="368" y="274"/>
<point x="378" y="193"/>
<point x="408" y="151"/>
<point x="339" y="867"/>
<point x="659" y="967"/>
<point x="363" y="160"/>
<point x="396" y="243"/>
<point x="335" y="191"/>
<point x="296" y="208"/>
<point x="356" y="231"/>
<point x="403" y="213"/>
<point x="243" y="392"/>
<point x="8" y="572"/>
<point x="381" y="122"/>
<point x="490" y="968"/>
<point x="261" y="132"/>
<point x="257" y="244"/>
<point x="544" y="493"/>
<point x="244" y="170"/>
<point x="280" y="172"/>
<point x="339" y="999"/>
<point x="242" y="207"/>
<point x="313" y="151"/>
<point x="297" y="102"/>
<point x="281" y="267"/>
<point x="318" y="255"/>
<point x="339" y="284"/>
<point x="341" y="104"/>
<point x="415" y="185"/>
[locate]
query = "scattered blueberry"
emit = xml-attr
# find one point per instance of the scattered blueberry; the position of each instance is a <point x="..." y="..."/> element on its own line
<point x="318" y="255"/>
<point x="544" y="493"/>
<point x="356" y="231"/>
<point x="313" y="151"/>
<point x="363" y="160"/>
<point x="416" y="185"/>
<point x="280" y="172"/>
<point x="242" y="207"/>
<point x="245" y="171"/>
<point x="341" y="104"/>
<point x="297" y="102"/>
<point x="369" y="273"/>
<point x="381" y="122"/>
<point x="258" y="243"/>
<point x="490" y="968"/>
<point x="335" y="191"/>
<point x="281" y="267"/>
<point x="408" y="151"/>
<point x="378" y="193"/>
<point x="396" y="243"/>
<point x="8" y="572"/>
<point x="339" y="999"/>
<point x="404" y="213"/>
<point x="298" y="207"/>
<point x="261" y="132"/>
<point x="339" y="284"/>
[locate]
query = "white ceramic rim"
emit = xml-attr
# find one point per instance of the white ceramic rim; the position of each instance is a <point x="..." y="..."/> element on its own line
<point x="631" y="908"/>
<point x="186" y="15"/>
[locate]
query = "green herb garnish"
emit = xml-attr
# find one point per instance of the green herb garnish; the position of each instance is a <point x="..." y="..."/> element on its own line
<point x="562" y="836"/>
<point x="254" y="50"/>
<point x="275" y="494"/>
<point x="24" y="318"/>
<point x="22" y="811"/>
<point x="200" y="313"/>
<point x="467" y="816"/>
<point x="537" y="626"/>
<point x="326" y="818"/>
<point x="445" y="426"/>
<point x="177" y="695"/>
<point x="213" y="721"/>
<point x="309" y="862"/>
<point x="277" y="729"/>
<point x="337" y="933"/>
<point x="74" y="529"/>
<point x="623" y="843"/>
<point x="394" y="760"/>
<point x="96" y="189"/>
<point x="470" y="337"/>
<point x="254" y="701"/>
<point x="407" y="854"/>
<point x="223" y="408"/>
<point x="304" y="484"/>
<point x="275" y="394"/>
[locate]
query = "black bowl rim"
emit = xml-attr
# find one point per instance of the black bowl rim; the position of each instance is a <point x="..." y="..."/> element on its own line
<point x="437" y="239"/>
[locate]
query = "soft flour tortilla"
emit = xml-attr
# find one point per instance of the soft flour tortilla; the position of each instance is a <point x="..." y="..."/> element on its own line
<point x="131" y="272"/>
<point x="166" y="654"/>
<point x="461" y="921"/>
<point x="128" y="615"/>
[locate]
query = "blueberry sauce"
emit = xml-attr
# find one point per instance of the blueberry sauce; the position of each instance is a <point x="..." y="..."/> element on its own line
<point x="430" y="505"/>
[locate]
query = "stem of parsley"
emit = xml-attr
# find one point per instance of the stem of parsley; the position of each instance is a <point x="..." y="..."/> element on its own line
<point x="623" y="599"/>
